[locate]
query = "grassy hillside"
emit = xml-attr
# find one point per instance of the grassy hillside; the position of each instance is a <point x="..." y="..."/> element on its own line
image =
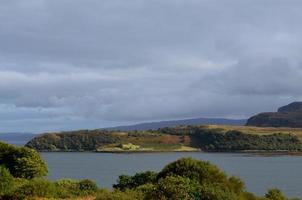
<point x="182" y="138"/>
<point x="259" y="130"/>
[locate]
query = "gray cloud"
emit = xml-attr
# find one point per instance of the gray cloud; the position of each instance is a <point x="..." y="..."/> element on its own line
<point x="68" y="64"/>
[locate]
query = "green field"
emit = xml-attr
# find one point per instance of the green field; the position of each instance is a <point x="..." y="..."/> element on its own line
<point x="259" y="130"/>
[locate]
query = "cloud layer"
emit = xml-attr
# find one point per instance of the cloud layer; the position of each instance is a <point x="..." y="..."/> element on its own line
<point x="69" y="64"/>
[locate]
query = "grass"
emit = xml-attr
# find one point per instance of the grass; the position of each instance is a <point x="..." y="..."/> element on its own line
<point x="258" y="130"/>
<point x="150" y="147"/>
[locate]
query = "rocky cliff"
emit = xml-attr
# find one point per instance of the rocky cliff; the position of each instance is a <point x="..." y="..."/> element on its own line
<point x="286" y="116"/>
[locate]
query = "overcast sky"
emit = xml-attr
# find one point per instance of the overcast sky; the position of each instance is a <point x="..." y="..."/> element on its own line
<point x="70" y="64"/>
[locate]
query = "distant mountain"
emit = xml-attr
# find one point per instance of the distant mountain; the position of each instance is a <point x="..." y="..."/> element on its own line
<point x="173" y="123"/>
<point x="16" y="138"/>
<point x="286" y="116"/>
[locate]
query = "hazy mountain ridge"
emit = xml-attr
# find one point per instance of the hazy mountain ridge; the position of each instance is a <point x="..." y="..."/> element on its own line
<point x="23" y="138"/>
<point x="173" y="123"/>
<point x="16" y="138"/>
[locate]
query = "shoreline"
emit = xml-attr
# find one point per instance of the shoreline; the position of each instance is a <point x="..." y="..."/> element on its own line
<point x="247" y="152"/>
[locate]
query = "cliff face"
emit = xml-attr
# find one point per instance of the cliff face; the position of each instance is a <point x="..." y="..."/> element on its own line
<point x="287" y="116"/>
<point x="293" y="107"/>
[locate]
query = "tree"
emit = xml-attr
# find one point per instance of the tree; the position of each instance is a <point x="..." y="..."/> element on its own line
<point x="87" y="186"/>
<point x="202" y="171"/>
<point x="22" y="162"/>
<point x="6" y="181"/>
<point x="275" y="194"/>
<point x="129" y="182"/>
<point x="175" y="187"/>
<point x="217" y="192"/>
<point x="236" y="184"/>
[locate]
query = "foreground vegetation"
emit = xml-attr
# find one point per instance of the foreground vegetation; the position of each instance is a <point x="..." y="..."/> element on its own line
<point x="183" y="138"/>
<point x="184" y="179"/>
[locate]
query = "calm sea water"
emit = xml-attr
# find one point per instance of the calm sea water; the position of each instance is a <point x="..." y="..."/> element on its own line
<point x="258" y="172"/>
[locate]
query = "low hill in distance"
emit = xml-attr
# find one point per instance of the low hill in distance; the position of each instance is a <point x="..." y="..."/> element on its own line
<point x="286" y="116"/>
<point x="174" y="123"/>
<point x="219" y="138"/>
<point x="19" y="139"/>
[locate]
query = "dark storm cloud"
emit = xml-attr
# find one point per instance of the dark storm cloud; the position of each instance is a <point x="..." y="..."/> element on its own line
<point x="67" y="64"/>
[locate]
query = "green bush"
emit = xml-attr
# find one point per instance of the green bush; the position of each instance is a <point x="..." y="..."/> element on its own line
<point x="6" y="181"/>
<point x="67" y="188"/>
<point x="120" y="195"/>
<point x="68" y="184"/>
<point x="36" y="188"/>
<point x="87" y="186"/>
<point x="129" y="182"/>
<point x="171" y="188"/>
<point x="217" y="192"/>
<point x="275" y="194"/>
<point x="202" y="171"/>
<point x="236" y="184"/>
<point x="22" y="162"/>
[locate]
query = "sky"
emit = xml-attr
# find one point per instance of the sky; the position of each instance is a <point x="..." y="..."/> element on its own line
<point x="74" y="64"/>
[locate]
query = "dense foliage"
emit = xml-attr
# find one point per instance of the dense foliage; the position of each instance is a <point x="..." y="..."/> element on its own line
<point x="129" y="182"/>
<point x="22" y="162"/>
<point x="236" y="141"/>
<point x="83" y="140"/>
<point x="233" y="140"/>
<point x="6" y="181"/>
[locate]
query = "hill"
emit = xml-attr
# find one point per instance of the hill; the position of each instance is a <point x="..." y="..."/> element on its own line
<point x="182" y="138"/>
<point x="19" y="139"/>
<point x="174" y="123"/>
<point x="286" y="116"/>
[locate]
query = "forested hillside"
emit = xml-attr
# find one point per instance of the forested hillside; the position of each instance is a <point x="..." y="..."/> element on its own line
<point x="183" y="138"/>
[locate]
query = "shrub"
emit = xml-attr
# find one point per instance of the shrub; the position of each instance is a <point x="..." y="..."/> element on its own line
<point x="29" y="164"/>
<point x="22" y="162"/>
<point x="36" y="188"/>
<point x="120" y="195"/>
<point x="171" y="188"/>
<point x="236" y="184"/>
<point x="6" y="181"/>
<point x="202" y="171"/>
<point x="69" y="184"/>
<point x="217" y="192"/>
<point x="129" y="182"/>
<point x="275" y="194"/>
<point x="66" y="188"/>
<point x="87" y="186"/>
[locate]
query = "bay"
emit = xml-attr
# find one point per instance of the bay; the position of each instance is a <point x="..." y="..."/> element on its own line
<point x="258" y="172"/>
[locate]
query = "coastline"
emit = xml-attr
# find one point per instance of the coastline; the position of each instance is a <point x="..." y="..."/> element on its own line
<point x="247" y="152"/>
